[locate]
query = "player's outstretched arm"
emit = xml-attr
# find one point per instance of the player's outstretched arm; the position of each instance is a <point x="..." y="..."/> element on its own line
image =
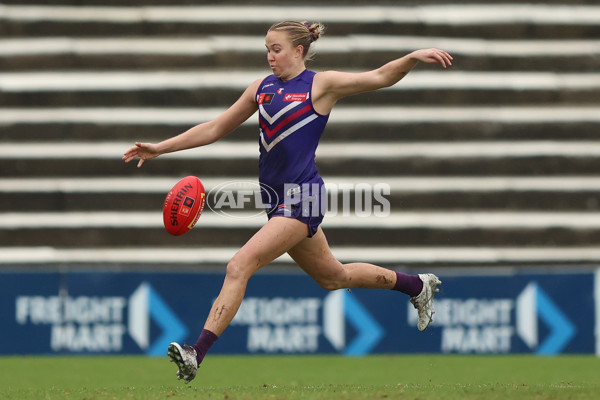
<point x="392" y="72"/>
<point x="202" y="134"/>
<point x="334" y="85"/>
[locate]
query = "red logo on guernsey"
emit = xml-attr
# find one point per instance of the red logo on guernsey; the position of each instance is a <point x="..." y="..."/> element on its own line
<point x="265" y="98"/>
<point x="295" y="97"/>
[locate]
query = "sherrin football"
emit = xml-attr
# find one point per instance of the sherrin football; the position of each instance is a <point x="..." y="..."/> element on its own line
<point x="183" y="205"/>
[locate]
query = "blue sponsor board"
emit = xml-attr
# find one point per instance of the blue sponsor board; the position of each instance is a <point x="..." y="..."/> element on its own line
<point x="140" y="313"/>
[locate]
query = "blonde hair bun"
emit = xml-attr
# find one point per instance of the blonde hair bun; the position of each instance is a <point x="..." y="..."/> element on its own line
<point x="316" y="29"/>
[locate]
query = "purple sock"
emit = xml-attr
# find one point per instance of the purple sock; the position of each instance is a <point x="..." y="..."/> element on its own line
<point x="204" y="342"/>
<point x="408" y="284"/>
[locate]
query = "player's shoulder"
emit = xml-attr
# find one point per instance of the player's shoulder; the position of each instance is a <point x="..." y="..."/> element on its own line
<point x="253" y="89"/>
<point x="257" y="83"/>
<point x="262" y="84"/>
<point x="329" y="74"/>
<point x="326" y="78"/>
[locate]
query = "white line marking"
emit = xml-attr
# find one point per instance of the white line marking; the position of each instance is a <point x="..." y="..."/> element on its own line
<point x="398" y="220"/>
<point x="66" y="81"/>
<point x="195" y="46"/>
<point x="21" y="255"/>
<point x="477" y="14"/>
<point x="397" y="184"/>
<point x="327" y="150"/>
<point x="341" y="114"/>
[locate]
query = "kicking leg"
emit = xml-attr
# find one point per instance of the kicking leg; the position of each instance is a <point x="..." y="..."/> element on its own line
<point x="314" y="256"/>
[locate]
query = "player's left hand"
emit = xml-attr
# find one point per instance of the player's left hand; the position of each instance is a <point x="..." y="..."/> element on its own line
<point x="143" y="151"/>
<point x="433" y="56"/>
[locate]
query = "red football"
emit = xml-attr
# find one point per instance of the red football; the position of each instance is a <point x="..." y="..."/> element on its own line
<point x="183" y="205"/>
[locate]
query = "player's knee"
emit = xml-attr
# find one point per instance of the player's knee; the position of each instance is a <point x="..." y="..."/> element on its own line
<point x="333" y="282"/>
<point x="330" y="285"/>
<point x="240" y="268"/>
<point x="233" y="270"/>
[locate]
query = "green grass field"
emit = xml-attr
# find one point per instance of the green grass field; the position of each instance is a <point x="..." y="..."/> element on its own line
<point x="304" y="377"/>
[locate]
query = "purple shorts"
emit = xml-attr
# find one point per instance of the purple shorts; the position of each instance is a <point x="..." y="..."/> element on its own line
<point x="307" y="203"/>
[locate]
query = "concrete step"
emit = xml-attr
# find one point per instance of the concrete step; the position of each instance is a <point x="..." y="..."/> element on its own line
<point x="459" y="20"/>
<point x="418" y="236"/>
<point x="585" y="200"/>
<point x="23" y="131"/>
<point x="348" y="123"/>
<point x="212" y="88"/>
<point x="344" y="52"/>
<point x="563" y="193"/>
<point x="46" y="28"/>
<point x="555" y="63"/>
<point x="341" y="115"/>
<point x="357" y="158"/>
<point x="218" y="97"/>
<point x="405" y="166"/>
<point x="127" y="229"/>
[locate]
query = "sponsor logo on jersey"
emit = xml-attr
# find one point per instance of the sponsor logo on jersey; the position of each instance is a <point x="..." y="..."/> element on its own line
<point x="265" y="98"/>
<point x="295" y="97"/>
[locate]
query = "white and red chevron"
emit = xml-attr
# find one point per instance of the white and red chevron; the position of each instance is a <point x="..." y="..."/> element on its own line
<point x="273" y="129"/>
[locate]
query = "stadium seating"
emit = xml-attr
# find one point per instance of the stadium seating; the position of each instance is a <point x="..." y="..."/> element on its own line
<point x="494" y="161"/>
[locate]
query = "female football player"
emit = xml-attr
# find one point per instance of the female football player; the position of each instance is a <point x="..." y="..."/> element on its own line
<point x="294" y="104"/>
